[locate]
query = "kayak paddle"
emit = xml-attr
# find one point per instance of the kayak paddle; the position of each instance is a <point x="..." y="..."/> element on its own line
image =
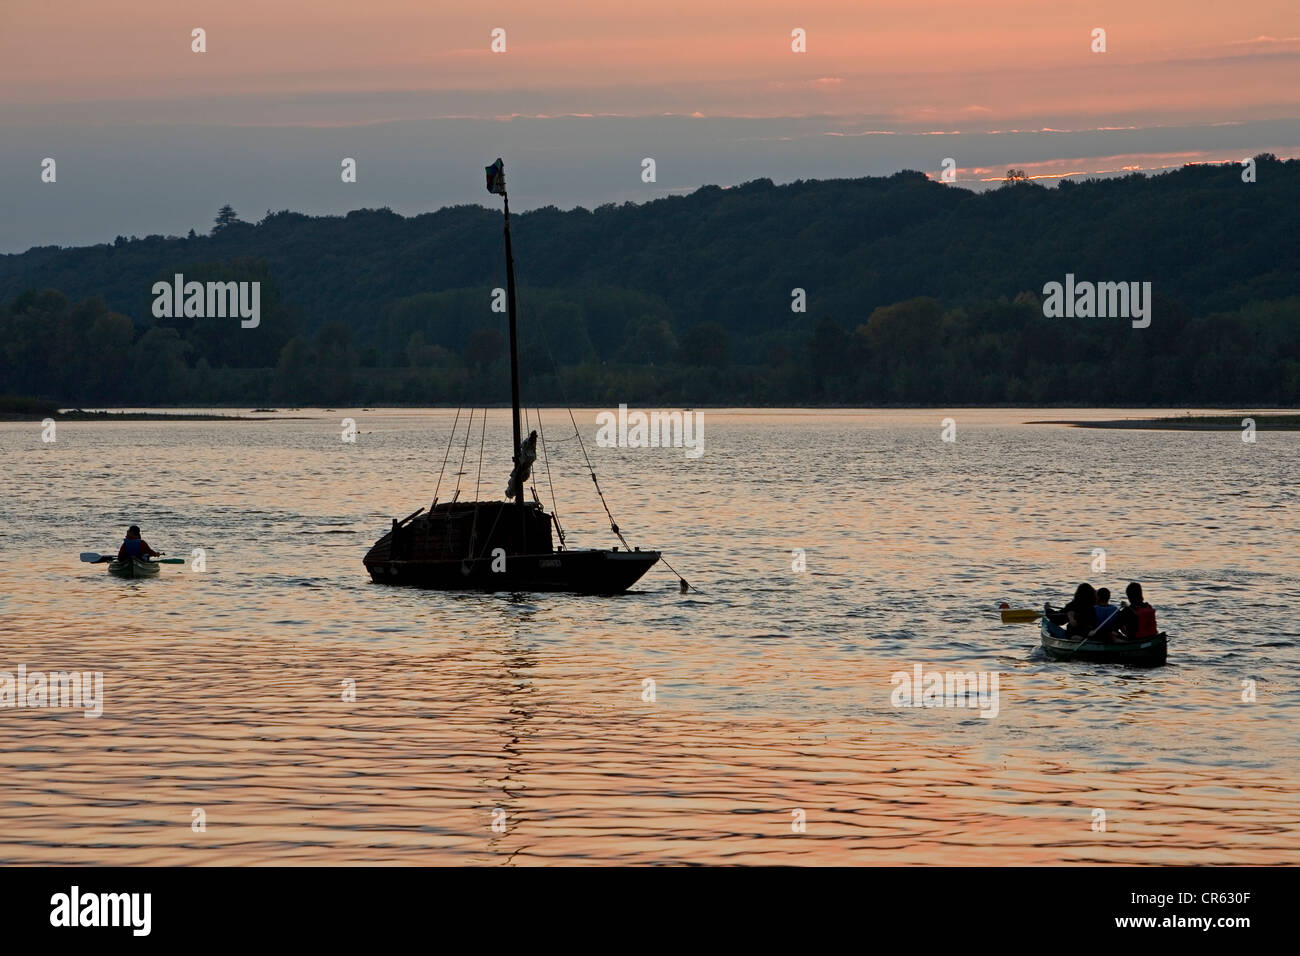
<point x="90" y="557"/>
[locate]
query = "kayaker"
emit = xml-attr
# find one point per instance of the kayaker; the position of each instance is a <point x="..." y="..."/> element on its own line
<point x="1137" y="621"/>
<point x="1105" y="610"/>
<point x="134" y="546"/>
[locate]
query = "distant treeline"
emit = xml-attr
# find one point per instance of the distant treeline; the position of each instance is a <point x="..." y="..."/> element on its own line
<point x="916" y="293"/>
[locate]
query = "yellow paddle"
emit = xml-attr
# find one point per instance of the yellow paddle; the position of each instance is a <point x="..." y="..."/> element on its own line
<point x="1012" y="615"/>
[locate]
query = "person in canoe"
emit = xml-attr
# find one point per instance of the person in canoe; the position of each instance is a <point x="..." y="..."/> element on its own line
<point x="1135" y="622"/>
<point x="1105" y="610"/>
<point x="134" y="546"/>
<point x="1080" y="615"/>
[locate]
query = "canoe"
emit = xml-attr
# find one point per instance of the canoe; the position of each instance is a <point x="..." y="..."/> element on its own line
<point x="1149" y="652"/>
<point x="133" y="568"/>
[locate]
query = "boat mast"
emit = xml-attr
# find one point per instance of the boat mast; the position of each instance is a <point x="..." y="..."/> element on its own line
<point x="499" y="185"/>
<point x="514" y="350"/>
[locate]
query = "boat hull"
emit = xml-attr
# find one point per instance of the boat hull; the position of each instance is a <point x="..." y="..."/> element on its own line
<point x="1148" y="652"/>
<point x="495" y="546"/>
<point x="582" y="572"/>
<point x="133" y="568"/>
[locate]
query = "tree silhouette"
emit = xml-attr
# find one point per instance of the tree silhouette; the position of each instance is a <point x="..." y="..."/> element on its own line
<point x="226" y="216"/>
<point x="686" y="301"/>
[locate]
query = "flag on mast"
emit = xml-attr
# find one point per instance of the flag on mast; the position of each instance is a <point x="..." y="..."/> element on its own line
<point x="496" y="178"/>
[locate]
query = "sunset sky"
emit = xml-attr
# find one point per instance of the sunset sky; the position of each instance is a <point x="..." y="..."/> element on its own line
<point x="151" y="137"/>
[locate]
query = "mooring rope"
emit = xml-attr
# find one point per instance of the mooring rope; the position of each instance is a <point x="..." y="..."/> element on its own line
<point x="684" y="583"/>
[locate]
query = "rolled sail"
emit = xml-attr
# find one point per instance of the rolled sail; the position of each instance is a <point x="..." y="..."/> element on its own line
<point x="524" y="467"/>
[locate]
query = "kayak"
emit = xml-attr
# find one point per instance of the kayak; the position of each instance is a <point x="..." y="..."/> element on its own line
<point x="133" y="568"/>
<point x="1148" y="652"/>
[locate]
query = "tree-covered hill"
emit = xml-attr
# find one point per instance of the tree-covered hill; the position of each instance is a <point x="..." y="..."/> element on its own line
<point x="689" y="298"/>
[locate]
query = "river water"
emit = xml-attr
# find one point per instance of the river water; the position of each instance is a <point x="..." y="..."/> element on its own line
<point x="750" y="721"/>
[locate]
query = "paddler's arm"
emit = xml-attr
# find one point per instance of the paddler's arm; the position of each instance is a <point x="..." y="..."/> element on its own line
<point x="1116" y="624"/>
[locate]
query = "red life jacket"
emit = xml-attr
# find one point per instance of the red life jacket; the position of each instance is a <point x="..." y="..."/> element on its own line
<point x="1146" y="622"/>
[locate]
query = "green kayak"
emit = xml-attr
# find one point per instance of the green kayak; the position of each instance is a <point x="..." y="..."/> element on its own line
<point x="1149" y="652"/>
<point x="133" y="568"/>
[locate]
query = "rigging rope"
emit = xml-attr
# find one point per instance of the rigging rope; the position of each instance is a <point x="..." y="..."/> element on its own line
<point x="546" y="342"/>
<point x="450" y="438"/>
<point x="613" y="525"/>
<point x="482" y="435"/>
<point x="473" y="531"/>
<point x="491" y="531"/>
<point x="461" y="471"/>
<point x="555" y="512"/>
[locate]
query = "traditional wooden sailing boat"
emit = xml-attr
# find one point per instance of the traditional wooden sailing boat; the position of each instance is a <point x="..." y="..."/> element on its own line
<point x="501" y="545"/>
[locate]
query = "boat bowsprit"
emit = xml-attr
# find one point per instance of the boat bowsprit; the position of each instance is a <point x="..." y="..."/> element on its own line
<point x="133" y="568"/>
<point x="1148" y="652"/>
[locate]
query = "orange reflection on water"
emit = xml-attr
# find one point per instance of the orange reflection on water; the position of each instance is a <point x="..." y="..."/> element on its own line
<point x="254" y="731"/>
<point x="224" y="689"/>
